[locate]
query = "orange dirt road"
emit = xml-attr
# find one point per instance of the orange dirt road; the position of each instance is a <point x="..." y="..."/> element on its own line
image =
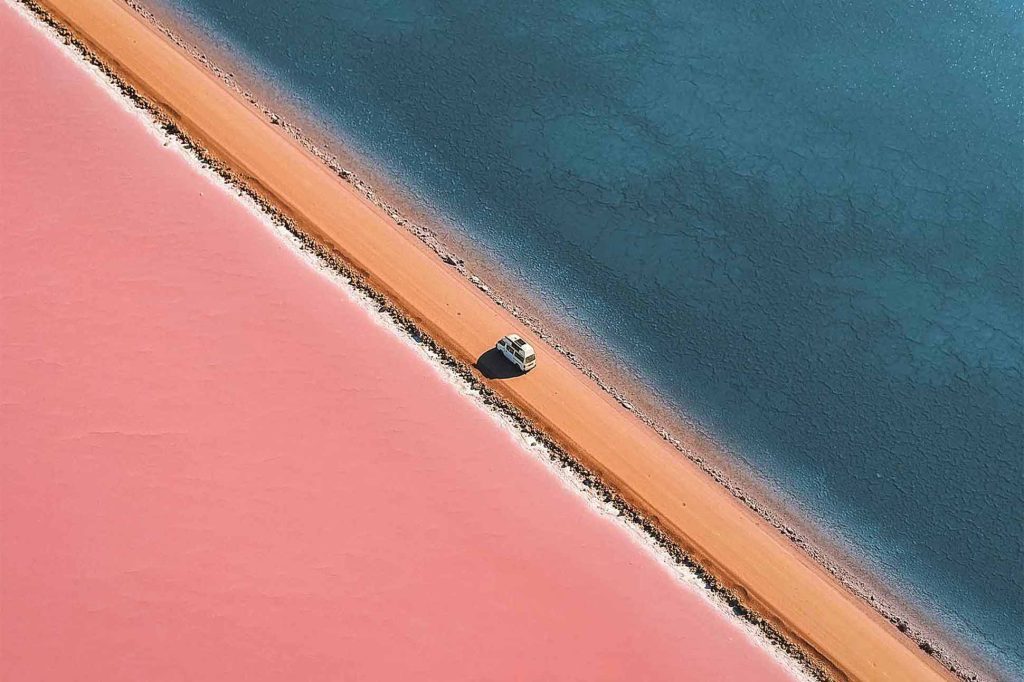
<point x="768" y="573"/>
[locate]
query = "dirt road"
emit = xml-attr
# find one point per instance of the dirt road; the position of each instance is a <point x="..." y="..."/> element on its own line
<point x="756" y="561"/>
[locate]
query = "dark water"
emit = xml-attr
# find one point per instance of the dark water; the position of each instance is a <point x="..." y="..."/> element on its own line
<point x="800" y="222"/>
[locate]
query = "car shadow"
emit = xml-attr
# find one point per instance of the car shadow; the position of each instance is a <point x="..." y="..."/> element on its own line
<point x="494" y="365"/>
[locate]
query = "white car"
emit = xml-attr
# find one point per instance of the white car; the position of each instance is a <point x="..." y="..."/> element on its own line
<point x="518" y="352"/>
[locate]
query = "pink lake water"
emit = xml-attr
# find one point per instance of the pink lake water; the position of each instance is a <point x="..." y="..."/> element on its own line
<point x="216" y="465"/>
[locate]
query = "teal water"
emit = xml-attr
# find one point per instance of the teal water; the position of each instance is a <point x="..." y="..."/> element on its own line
<point x="801" y="223"/>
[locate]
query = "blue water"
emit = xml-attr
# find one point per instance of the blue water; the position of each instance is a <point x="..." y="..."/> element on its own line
<point x="801" y="222"/>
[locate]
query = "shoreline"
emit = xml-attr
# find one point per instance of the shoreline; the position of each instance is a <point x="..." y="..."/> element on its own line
<point x="455" y="263"/>
<point x="811" y="534"/>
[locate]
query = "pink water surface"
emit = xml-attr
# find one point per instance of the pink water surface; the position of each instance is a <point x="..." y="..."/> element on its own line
<point x="216" y="466"/>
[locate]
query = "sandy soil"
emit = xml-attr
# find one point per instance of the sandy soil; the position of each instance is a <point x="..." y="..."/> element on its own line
<point x="752" y="559"/>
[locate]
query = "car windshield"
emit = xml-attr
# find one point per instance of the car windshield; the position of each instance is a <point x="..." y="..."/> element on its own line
<point x="531" y="357"/>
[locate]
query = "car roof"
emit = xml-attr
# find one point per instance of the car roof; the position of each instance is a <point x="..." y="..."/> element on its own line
<point x="518" y="342"/>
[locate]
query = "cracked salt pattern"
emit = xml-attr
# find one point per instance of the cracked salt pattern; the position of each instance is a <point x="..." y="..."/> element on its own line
<point x="800" y="223"/>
